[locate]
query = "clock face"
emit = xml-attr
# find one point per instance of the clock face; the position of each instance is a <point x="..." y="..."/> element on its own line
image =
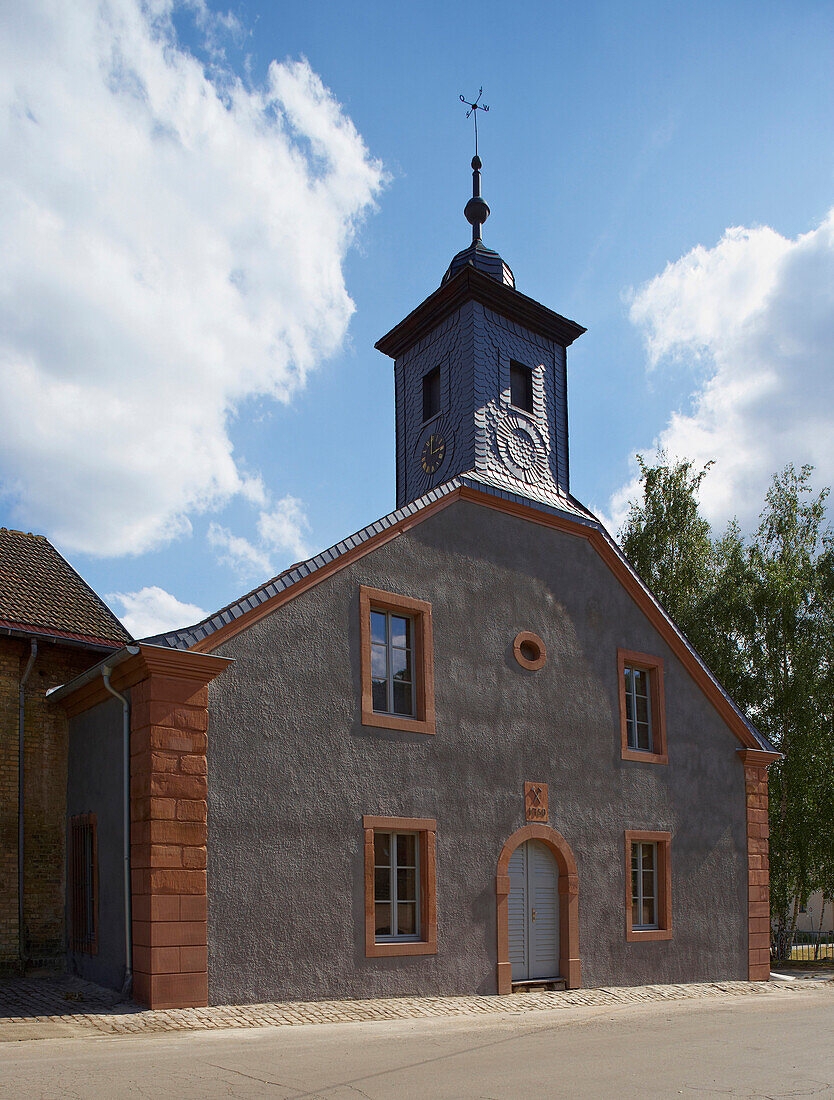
<point x="433" y="453"/>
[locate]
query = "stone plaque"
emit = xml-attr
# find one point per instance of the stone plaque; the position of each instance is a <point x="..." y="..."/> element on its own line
<point x="535" y="801"/>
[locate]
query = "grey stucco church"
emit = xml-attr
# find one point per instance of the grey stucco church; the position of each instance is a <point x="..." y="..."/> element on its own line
<point x="463" y="751"/>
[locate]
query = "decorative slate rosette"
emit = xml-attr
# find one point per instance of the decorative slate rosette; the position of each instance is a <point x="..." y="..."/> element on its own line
<point x="520" y="448"/>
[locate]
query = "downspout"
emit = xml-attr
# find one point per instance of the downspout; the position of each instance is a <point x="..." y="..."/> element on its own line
<point x="21" y="705"/>
<point x="105" y="675"/>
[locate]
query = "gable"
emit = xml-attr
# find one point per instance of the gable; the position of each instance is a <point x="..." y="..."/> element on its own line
<point x="231" y="622"/>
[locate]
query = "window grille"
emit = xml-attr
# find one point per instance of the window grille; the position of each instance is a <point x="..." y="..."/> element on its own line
<point x="83" y="884"/>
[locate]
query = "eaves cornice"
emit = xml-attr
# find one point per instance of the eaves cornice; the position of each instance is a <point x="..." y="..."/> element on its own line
<point x="468" y="285"/>
<point x="131" y="665"/>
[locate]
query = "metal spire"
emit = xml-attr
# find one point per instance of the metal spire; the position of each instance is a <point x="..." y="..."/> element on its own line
<point x="476" y="210"/>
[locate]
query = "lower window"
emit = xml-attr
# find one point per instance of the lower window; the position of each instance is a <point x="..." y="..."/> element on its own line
<point x="400" y="891"/>
<point x="83" y="884"/>
<point x="396" y="886"/>
<point x="648" y="886"/>
<point x="644" y="884"/>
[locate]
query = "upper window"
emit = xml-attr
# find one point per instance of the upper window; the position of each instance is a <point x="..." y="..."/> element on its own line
<point x="83" y="876"/>
<point x="638" y="708"/>
<point x="392" y="665"/>
<point x="642" y="710"/>
<point x="396" y="661"/>
<point x="400" y="886"/>
<point x="431" y="394"/>
<point x="649" y="886"/>
<point x="521" y="386"/>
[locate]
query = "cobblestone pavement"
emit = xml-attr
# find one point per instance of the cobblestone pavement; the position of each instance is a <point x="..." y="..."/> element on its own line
<point x="63" y="1006"/>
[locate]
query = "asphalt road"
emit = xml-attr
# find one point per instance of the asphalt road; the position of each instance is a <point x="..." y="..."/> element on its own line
<point x="774" y="1046"/>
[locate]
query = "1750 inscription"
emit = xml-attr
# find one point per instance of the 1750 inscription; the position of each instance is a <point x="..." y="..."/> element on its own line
<point x="535" y="801"/>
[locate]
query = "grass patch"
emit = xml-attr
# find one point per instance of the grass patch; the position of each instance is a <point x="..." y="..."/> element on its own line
<point x="822" y="963"/>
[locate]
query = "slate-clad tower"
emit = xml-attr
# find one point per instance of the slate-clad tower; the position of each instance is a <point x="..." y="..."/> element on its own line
<point x="480" y="380"/>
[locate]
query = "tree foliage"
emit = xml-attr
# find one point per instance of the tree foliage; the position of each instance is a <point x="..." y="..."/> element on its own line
<point x="673" y="568"/>
<point x="760" y="611"/>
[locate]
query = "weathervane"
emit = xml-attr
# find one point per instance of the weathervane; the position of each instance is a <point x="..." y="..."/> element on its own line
<point x="473" y="110"/>
<point x="476" y="210"/>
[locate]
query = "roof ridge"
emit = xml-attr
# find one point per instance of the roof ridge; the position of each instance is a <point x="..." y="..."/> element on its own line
<point x="327" y="552"/>
<point x="238" y="599"/>
<point x="25" y="534"/>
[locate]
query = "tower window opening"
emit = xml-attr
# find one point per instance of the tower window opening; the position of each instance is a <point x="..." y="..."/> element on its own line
<point x="431" y="394"/>
<point x="521" y="386"/>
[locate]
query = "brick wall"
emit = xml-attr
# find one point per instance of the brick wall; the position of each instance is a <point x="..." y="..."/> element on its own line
<point x="45" y="758"/>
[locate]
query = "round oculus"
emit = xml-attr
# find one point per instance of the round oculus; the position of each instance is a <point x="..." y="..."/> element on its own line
<point x="433" y="453"/>
<point x="529" y="650"/>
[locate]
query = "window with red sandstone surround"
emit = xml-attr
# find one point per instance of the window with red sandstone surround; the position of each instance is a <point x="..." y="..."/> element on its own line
<point x="396" y="658"/>
<point x="642" y="707"/>
<point x="648" y="886"/>
<point x="400" y="886"/>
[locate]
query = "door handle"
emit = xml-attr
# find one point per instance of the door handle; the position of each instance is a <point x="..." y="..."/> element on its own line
<point x="533" y="917"/>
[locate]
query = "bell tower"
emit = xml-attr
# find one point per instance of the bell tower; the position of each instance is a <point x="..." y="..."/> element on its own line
<point x="480" y="378"/>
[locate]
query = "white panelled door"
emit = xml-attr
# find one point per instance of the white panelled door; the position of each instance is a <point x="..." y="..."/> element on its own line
<point x="533" y="912"/>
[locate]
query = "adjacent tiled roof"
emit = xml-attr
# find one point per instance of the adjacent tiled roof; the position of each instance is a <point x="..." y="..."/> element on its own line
<point x="39" y="590"/>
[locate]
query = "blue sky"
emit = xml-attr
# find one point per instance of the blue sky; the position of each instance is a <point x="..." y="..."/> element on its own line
<point x="623" y="142"/>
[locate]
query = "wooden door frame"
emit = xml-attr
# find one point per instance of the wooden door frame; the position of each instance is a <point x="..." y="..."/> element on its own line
<point x="568" y="905"/>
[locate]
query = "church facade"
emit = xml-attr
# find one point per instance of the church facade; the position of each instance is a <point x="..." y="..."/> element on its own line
<point x="463" y="751"/>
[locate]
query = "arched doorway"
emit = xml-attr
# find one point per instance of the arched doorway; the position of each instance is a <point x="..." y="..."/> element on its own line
<point x="529" y="872"/>
<point x="533" y="913"/>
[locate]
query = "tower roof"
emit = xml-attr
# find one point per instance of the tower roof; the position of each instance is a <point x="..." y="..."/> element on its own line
<point x="483" y="259"/>
<point x="476" y="255"/>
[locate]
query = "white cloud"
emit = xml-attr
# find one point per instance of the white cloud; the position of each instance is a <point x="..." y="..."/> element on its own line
<point x="239" y="553"/>
<point x="152" y="610"/>
<point x="280" y="532"/>
<point x="283" y="528"/>
<point x="754" y="316"/>
<point x="172" y="245"/>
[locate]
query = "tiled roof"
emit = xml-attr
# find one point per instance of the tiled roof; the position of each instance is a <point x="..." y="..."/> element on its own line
<point x="40" y="590"/>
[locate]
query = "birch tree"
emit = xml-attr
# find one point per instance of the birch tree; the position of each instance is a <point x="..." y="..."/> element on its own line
<point x="761" y="614"/>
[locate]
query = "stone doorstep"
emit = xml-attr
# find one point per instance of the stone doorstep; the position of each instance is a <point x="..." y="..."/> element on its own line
<point x="66" y="1007"/>
<point x="539" y="985"/>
